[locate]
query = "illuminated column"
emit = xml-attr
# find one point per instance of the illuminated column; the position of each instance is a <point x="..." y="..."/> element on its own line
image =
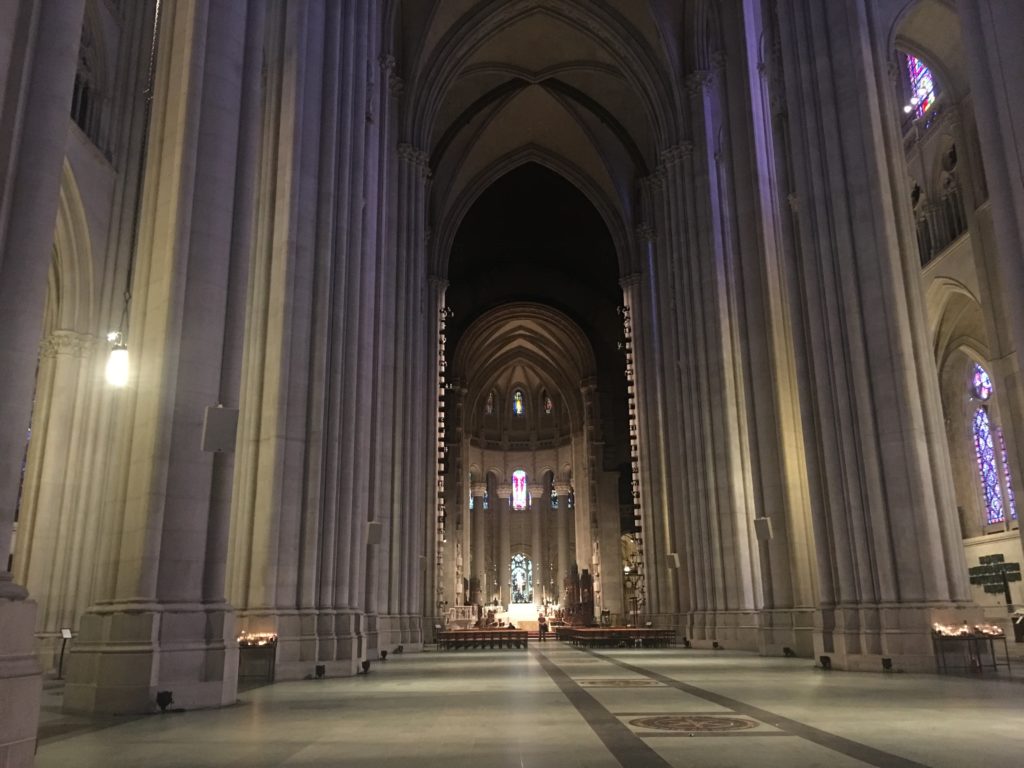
<point x="478" y="554"/>
<point x="39" y="41"/>
<point x="562" y="517"/>
<point x="504" y="544"/>
<point x="536" y="502"/>
<point x="889" y="552"/>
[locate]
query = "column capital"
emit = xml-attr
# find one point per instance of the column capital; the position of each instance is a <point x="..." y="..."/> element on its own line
<point x="504" y="491"/>
<point x="536" y="490"/>
<point x="478" y="489"/>
<point x="562" y="489"/>
<point x="631" y="280"/>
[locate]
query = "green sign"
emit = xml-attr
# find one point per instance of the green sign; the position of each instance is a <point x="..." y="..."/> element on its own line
<point x="994" y="574"/>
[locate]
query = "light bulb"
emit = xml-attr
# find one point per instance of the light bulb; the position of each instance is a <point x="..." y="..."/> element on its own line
<point x="117" y="366"/>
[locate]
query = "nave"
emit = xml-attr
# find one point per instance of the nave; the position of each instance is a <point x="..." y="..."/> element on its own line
<point x="556" y="705"/>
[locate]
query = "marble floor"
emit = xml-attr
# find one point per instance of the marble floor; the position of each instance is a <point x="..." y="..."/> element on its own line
<point x="555" y="705"/>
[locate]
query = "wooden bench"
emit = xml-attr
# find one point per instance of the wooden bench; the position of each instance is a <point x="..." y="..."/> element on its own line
<point x="616" y="637"/>
<point x="462" y="639"/>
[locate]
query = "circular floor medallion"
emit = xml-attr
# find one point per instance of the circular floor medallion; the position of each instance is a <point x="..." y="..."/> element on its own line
<point x="694" y="723"/>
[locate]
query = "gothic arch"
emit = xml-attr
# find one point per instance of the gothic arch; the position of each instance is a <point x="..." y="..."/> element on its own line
<point x="609" y="211"/>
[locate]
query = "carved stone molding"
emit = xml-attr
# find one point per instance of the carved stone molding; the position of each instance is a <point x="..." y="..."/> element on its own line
<point x="504" y="491"/>
<point x="66" y="343"/>
<point x="389" y="65"/>
<point x="696" y="82"/>
<point x="478" y="489"/>
<point x="415" y="157"/>
<point x="645" y="233"/>
<point x="676" y="153"/>
<point x="562" y="489"/>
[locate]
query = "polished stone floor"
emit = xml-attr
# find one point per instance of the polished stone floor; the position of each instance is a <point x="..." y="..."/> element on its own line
<point x="555" y="705"/>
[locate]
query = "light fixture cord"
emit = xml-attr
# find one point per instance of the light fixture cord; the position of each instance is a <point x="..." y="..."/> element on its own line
<point x="122" y="327"/>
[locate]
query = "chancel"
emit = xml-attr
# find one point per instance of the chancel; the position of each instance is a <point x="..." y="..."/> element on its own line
<point x="682" y="334"/>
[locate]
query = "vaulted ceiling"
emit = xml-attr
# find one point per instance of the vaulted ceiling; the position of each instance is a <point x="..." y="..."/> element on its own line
<point x="583" y="88"/>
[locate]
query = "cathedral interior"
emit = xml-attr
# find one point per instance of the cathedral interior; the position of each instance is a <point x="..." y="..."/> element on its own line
<point x="395" y="337"/>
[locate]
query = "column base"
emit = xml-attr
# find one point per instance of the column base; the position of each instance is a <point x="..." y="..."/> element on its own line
<point x="735" y="630"/>
<point x="791" y="628"/>
<point x="858" y="637"/>
<point x="20" y="681"/>
<point x="126" y="652"/>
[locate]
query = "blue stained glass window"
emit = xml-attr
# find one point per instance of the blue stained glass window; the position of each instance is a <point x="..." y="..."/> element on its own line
<point x="1011" y="502"/>
<point x="517" y="403"/>
<point x="519" y="489"/>
<point x="485" y="500"/>
<point x="554" y="499"/>
<point x="922" y="86"/>
<point x="521" y="579"/>
<point x="981" y="385"/>
<point x="987" y="469"/>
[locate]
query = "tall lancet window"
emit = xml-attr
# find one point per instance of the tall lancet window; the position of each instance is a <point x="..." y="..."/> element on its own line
<point x="921" y="86"/>
<point x="489" y="404"/>
<point x="518" y="407"/>
<point x="549" y="406"/>
<point x="519" y="489"/>
<point x="986" y="436"/>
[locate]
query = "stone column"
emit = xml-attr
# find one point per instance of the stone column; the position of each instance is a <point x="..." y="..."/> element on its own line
<point x="539" y="571"/>
<point x="503" y="559"/>
<point x="49" y="562"/>
<point x="890" y="558"/>
<point x="152" y="596"/>
<point x="562" y="517"/>
<point x="477" y="567"/>
<point x="992" y="32"/>
<point x="38" y="59"/>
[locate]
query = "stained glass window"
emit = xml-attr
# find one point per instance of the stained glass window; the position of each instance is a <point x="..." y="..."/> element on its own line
<point x="554" y="499"/>
<point x="981" y="386"/>
<point x="989" y="472"/>
<point x="517" y="402"/>
<point x="489" y="405"/>
<point x="519" y="489"/>
<point x="521" y="579"/>
<point x="486" y="502"/>
<point x="1011" y="502"/>
<point x="549" y="406"/>
<point x="922" y="86"/>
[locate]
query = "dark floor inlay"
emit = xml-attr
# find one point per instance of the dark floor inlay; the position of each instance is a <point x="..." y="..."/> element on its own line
<point x="624" y="745"/>
<point x="694" y="723"/>
<point x="619" y="683"/>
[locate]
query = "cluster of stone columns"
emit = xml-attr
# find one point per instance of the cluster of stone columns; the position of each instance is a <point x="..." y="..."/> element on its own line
<point x="838" y="526"/>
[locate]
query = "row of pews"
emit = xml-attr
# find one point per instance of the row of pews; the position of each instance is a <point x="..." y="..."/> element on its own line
<point x="460" y="639"/>
<point x="617" y="637"/>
